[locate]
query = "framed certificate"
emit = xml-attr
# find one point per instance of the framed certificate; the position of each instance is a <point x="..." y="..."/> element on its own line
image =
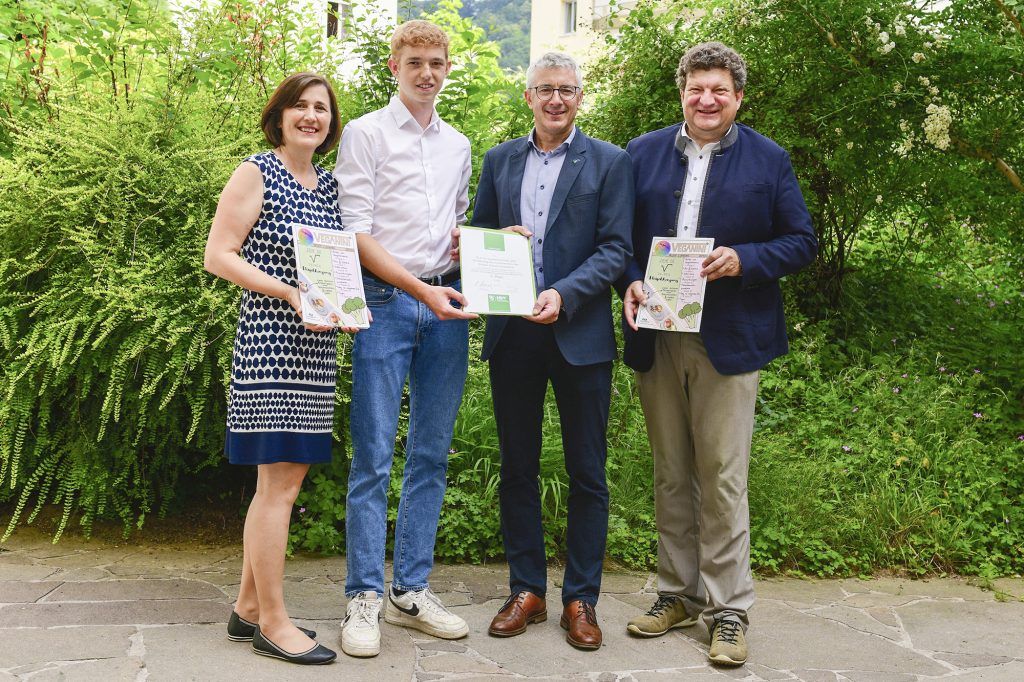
<point x="673" y="285"/>
<point x="329" y="278"/>
<point x="497" y="272"/>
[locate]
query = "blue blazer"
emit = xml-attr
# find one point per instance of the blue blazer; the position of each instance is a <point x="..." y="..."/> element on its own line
<point x="586" y="242"/>
<point x="752" y="203"/>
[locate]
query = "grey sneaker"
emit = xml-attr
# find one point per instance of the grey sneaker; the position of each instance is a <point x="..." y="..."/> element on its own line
<point x="728" y="644"/>
<point x="423" y="611"/>
<point x="360" y="631"/>
<point x="667" y="613"/>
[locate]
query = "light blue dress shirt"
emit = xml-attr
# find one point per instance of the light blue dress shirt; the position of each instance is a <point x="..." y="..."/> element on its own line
<point x="539" y="178"/>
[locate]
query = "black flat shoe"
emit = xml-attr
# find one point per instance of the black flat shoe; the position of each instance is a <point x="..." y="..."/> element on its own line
<point x="317" y="655"/>
<point x="241" y="630"/>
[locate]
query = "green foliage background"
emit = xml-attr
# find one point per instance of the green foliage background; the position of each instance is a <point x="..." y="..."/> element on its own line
<point x="891" y="436"/>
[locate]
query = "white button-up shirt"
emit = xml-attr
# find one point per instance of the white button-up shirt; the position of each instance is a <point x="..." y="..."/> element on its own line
<point x="698" y="159"/>
<point x="405" y="185"/>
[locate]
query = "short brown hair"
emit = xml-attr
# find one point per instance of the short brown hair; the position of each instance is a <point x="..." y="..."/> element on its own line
<point x="712" y="55"/>
<point x="286" y="95"/>
<point x="418" y="33"/>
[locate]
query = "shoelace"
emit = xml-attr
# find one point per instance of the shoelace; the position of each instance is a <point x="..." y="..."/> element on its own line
<point x="587" y="611"/>
<point x="367" y="611"/>
<point x="663" y="604"/>
<point x="517" y="598"/>
<point x="727" y="631"/>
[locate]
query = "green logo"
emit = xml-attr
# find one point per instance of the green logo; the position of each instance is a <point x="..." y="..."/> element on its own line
<point x="498" y="303"/>
<point x="494" y="242"/>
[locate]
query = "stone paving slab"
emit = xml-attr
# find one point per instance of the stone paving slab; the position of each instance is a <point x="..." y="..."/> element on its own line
<point x="116" y="590"/>
<point x="22" y="592"/>
<point x="91" y="671"/>
<point x="31" y="646"/>
<point x="82" y="610"/>
<point x="113" y="613"/>
<point x="965" y="628"/>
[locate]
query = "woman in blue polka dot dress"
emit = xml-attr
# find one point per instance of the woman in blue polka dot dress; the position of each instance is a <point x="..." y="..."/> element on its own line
<point x="281" y="409"/>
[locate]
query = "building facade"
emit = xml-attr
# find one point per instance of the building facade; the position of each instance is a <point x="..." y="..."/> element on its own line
<point x="574" y="26"/>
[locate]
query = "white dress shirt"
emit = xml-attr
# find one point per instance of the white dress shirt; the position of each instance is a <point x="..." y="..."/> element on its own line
<point x="405" y="185"/>
<point x="698" y="160"/>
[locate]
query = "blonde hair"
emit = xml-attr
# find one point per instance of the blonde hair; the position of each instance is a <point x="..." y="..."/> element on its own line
<point x="418" y="33"/>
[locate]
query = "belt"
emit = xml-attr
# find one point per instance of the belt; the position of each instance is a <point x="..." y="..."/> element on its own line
<point x="444" y="280"/>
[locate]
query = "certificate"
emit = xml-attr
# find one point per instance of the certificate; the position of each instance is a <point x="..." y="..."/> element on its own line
<point x="329" y="279"/>
<point x="673" y="285"/>
<point x="497" y="272"/>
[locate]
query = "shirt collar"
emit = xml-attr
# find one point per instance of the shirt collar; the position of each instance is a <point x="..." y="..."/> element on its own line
<point x="403" y="116"/>
<point x="684" y="138"/>
<point x="560" y="149"/>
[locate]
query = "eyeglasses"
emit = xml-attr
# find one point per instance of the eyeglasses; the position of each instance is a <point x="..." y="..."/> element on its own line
<point x="566" y="92"/>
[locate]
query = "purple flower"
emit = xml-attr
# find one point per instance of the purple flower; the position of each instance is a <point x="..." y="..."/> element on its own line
<point x="1020" y="437"/>
<point x="942" y="369"/>
<point x="978" y="415"/>
<point x="451" y="451"/>
<point x="847" y="448"/>
<point x="302" y="510"/>
<point x="856" y="409"/>
<point x="904" y="375"/>
<point x="895" y="389"/>
<point x="977" y="371"/>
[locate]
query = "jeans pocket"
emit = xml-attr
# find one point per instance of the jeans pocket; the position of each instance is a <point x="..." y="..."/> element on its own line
<point x="377" y="292"/>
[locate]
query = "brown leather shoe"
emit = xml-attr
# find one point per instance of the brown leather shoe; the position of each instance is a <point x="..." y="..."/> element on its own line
<point x="580" y="619"/>
<point x="520" y="609"/>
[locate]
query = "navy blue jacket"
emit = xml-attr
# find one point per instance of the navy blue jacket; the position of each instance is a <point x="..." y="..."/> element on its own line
<point x="752" y="203"/>
<point x="586" y="241"/>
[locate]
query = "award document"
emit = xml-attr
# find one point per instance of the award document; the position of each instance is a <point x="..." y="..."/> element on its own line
<point x="329" y="279"/>
<point x="673" y="285"/>
<point x="497" y="272"/>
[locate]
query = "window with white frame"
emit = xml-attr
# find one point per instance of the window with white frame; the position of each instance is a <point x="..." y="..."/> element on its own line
<point x="337" y="13"/>
<point x="568" y="16"/>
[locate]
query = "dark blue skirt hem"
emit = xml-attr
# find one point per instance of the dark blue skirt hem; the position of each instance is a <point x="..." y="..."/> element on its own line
<point x="271" y="447"/>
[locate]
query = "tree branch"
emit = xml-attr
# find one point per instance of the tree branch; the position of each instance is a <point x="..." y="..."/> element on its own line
<point x="1011" y="16"/>
<point x="974" y="152"/>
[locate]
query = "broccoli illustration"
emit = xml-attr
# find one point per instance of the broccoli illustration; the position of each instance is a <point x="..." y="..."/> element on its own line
<point x="354" y="307"/>
<point x="689" y="313"/>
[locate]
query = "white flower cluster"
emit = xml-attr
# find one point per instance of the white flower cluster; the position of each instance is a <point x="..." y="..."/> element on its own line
<point x="917" y="58"/>
<point x="899" y="28"/>
<point x="936" y="125"/>
<point x="904" y="147"/>
<point x="885" y="46"/>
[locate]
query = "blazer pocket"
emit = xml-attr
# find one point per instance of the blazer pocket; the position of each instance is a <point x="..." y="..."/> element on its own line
<point x="758" y="187"/>
<point x="582" y="198"/>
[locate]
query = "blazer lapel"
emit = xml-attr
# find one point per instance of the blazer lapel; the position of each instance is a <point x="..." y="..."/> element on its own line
<point x="516" y="168"/>
<point x="575" y="158"/>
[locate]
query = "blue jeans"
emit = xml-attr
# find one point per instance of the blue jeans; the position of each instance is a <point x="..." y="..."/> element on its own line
<point x="404" y="341"/>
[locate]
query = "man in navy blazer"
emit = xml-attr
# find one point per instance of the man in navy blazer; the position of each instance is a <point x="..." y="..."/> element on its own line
<point x="573" y="195"/>
<point x="710" y="177"/>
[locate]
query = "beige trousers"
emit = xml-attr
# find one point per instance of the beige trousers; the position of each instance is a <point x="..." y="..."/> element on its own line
<point x="700" y="423"/>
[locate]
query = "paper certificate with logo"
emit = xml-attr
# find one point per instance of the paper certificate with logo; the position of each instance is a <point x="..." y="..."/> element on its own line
<point x="497" y="272"/>
<point x="329" y="279"/>
<point x="673" y="285"/>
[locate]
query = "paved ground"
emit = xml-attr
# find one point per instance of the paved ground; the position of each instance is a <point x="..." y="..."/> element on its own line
<point x="84" y="610"/>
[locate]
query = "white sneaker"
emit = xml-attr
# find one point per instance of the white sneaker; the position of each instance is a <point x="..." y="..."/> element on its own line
<point x="423" y="611"/>
<point x="360" y="631"/>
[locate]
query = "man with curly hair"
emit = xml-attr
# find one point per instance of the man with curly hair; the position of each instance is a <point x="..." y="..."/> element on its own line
<point x="710" y="177"/>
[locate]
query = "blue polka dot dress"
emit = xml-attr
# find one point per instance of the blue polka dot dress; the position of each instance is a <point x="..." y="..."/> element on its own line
<point x="281" y="406"/>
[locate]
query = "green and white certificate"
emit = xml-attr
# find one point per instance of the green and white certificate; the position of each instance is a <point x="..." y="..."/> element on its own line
<point x="673" y="285"/>
<point x="329" y="279"/>
<point x="497" y="272"/>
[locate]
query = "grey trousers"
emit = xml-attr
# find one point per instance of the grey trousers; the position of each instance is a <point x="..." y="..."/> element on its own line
<point x="700" y="424"/>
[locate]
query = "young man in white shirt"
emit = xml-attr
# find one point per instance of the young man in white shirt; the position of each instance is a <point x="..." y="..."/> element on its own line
<point x="403" y="177"/>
